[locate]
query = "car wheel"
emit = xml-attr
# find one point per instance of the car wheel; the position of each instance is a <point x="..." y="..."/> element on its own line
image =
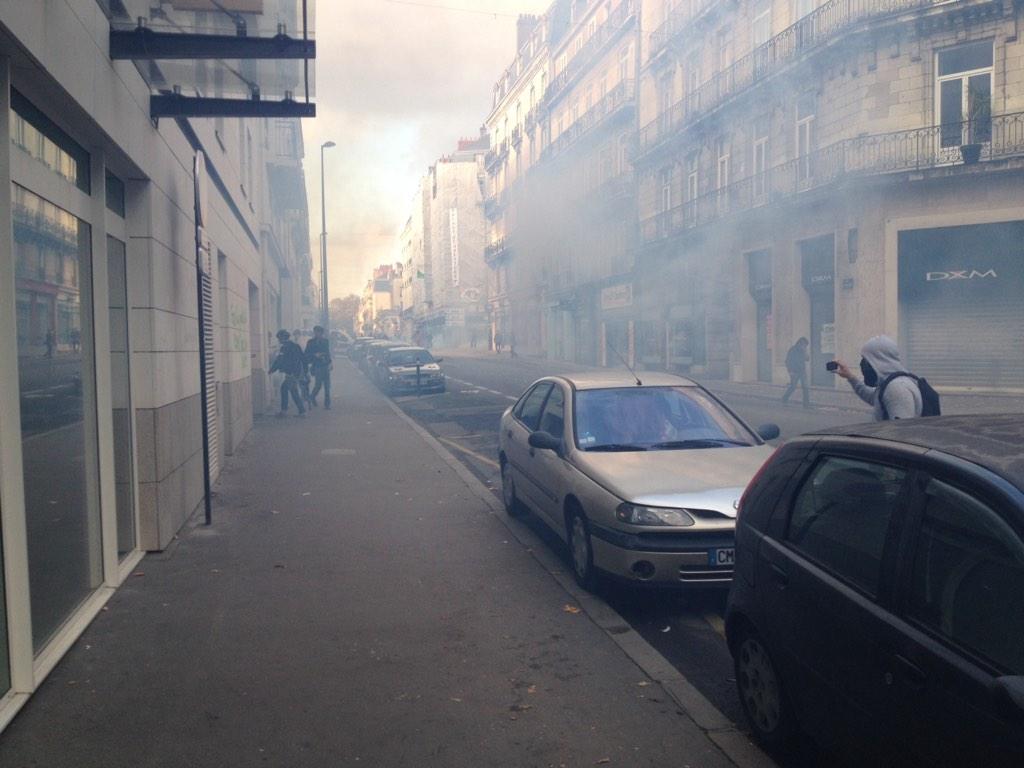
<point x="761" y="693"/>
<point x="513" y="506"/>
<point x="581" y="550"/>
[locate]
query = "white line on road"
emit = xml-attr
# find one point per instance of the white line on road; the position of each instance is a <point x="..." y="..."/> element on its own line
<point x="482" y="389"/>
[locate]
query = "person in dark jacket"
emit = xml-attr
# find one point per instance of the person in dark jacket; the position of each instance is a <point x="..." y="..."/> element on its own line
<point x="796" y="365"/>
<point x="318" y="355"/>
<point x="292" y="363"/>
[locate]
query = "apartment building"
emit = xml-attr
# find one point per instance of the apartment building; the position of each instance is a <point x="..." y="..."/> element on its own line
<point x="832" y="170"/>
<point x="145" y="195"/>
<point x="565" y="286"/>
<point x="380" y="308"/>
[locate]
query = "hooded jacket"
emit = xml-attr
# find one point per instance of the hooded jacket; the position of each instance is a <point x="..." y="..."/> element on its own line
<point x="902" y="396"/>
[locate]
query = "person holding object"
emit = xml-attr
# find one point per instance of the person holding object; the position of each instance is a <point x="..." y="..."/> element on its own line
<point x="292" y="363"/>
<point x="894" y="392"/>
<point x="796" y="365"/>
<point x="318" y="354"/>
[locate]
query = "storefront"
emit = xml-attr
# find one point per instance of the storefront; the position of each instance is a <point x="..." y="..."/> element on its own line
<point x="961" y="304"/>
<point x="759" y="265"/>
<point x="617" y="325"/>
<point x="818" y="269"/>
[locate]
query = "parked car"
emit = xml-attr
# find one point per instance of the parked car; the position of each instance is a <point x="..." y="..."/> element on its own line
<point x="358" y="347"/>
<point x="372" y="352"/>
<point x="879" y="598"/>
<point x="398" y="368"/>
<point x="640" y="480"/>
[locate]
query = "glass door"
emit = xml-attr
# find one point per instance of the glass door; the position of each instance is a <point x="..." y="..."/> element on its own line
<point x="120" y="395"/>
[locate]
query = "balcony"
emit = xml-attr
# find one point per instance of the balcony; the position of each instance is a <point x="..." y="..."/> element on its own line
<point x="681" y="19"/>
<point x="496" y="252"/>
<point x="616" y="102"/>
<point x="496" y="156"/>
<point x="933" y="147"/>
<point x="517" y="136"/>
<point x="807" y="35"/>
<point x="598" y="43"/>
<point x="492" y="207"/>
<point x="530" y="122"/>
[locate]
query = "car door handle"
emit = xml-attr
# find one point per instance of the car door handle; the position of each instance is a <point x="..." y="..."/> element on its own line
<point x="779" y="575"/>
<point x="909" y="670"/>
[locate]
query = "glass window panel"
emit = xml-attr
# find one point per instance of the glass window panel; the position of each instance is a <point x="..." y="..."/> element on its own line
<point x="120" y="395"/>
<point x="51" y="247"/>
<point x="951" y="112"/>
<point x="967" y="573"/>
<point x="979" y="107"/>
<point x="529" y="409"/>
<point x="34" y="133"/>
<point x="553" y="420"/>
<point x="115" y="195"/>
<point x="841" y="518"/>
<point x="965" y="58"/>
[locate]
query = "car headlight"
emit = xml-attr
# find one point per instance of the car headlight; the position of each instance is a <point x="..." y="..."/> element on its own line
<point x="637" y="514"/>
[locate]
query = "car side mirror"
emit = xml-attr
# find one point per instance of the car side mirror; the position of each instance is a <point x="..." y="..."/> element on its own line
<point x="1009" y="693"/>
<point x="545" y="441"/>
<point x="768" y="431"/>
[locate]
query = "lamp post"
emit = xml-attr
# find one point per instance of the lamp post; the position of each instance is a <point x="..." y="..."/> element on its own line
<point x="323" y="240"/>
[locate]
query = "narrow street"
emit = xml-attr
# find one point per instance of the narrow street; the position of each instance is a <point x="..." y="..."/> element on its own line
<point x="687" y="629"/>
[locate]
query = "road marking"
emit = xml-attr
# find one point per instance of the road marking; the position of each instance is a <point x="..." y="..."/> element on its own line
<point x="478" y="456"/>
<point x="715" y="621"/>
<point x="482" y="389"/>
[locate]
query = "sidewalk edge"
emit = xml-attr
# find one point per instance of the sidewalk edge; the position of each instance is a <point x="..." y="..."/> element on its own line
<point x="731" y="741"/>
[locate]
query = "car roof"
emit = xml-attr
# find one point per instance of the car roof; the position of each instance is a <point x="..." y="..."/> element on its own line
<point x="407" y="349"/>
<point x="995" y="442"/>
<point x="614" y="377"/>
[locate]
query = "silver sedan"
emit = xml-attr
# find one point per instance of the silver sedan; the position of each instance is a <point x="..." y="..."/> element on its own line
<point x="641" y="480"/>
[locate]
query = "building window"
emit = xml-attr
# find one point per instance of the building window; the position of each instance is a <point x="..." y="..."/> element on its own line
<point x="693" y="80"/>
<point x="37" y="135"/>
<point x="803" y="8"/>
<point x="805" y="109"/>
<point x="624" y="64"/>
<point x="722" y="174"/>
<point x="665" y="187"/>
<point x="761" y="30"/>
<point x="115" y="195"/>
<point x="760" y="158"/>
<point x="723" y="48"/>
<point x="964" y="88"/>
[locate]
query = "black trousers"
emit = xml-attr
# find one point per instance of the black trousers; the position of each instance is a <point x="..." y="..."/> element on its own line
<point x="797" y="378"/>
<point x="323" y="381"/>
<point x="291" y="386"/>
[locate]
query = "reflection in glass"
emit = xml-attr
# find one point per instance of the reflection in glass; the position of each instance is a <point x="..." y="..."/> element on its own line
<point x="51" y="254"/>
<point x="120" y="395"/>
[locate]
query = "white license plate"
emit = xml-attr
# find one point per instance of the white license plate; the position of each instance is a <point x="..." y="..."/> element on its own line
<point x="722" y="556"/>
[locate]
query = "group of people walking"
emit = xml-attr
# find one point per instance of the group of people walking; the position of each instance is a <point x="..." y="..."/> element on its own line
<point x="298" y="366"/>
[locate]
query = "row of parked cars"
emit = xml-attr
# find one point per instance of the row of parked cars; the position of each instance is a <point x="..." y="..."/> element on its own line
<point x="875" y="573"/>
<point x="397" y="367"/>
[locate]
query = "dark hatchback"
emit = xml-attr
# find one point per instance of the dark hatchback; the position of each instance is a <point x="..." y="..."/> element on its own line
<point x="878" y="602"/>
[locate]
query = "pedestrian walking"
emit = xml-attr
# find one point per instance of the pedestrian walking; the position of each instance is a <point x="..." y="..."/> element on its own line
<point x="318" y="355"/>
<point x="472" y="339"/>
<point x="304" y="378"/>
<point x="51" y="342"/>
<point x="796" y="365"/>
<point x="497" y="342"/>
<point x="892" y="390"/>
<point x="512" y="345"/>
<point x="291" y="362"/>
<point x="75" y="336"/>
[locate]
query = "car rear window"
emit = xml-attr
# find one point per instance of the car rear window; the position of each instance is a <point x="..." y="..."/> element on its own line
<point x="410" y="357"/>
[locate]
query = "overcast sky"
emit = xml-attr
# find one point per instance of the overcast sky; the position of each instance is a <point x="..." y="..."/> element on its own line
<point x="397" y="85"/>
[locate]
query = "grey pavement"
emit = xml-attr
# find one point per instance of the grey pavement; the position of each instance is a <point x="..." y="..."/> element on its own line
<point x="354" y="603"/>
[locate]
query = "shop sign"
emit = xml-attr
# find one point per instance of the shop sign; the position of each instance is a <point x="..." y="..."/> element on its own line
<point x="617" y="296"/>
<point x="959" y="274"/>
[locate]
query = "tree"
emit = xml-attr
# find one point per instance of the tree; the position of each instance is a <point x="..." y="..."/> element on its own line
<point x="343" y="313"/>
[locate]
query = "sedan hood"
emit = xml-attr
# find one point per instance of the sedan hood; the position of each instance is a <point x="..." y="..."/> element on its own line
<point x="703" y="478"/>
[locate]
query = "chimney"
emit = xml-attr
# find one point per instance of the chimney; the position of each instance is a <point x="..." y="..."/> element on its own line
<point x="525" y="25"/>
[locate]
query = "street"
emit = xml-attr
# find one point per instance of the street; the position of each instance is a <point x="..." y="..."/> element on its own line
<point x="687" y="629"/>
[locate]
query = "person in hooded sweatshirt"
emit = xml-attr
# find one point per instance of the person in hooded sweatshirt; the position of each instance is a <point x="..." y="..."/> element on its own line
<point x="880" y="358"/>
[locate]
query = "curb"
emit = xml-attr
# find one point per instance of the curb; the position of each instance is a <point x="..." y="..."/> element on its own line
<point x="732" y="742"/>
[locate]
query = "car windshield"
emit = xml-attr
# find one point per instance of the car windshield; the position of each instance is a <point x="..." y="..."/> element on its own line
<point x="409" y="357"/>
<point x="654" y="418"/>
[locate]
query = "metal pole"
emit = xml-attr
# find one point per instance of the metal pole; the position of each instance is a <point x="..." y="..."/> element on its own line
<point x="203" y="393"/>
<point x="323" y="244"/>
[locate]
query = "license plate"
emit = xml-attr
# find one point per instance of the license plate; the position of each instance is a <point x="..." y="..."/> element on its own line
<point x="718" y="557"/>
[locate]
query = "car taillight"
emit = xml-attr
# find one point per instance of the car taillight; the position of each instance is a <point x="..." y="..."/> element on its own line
<point x="753" y="482"/>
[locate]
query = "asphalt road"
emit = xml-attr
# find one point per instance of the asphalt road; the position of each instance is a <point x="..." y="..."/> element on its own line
<point x="686" y="628"/>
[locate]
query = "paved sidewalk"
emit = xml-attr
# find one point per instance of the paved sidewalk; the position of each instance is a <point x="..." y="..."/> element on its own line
<point x="354" y="603"/>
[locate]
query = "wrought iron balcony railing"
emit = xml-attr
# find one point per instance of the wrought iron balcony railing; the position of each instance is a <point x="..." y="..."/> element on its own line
<point x="682" y="17"/>
<point x="809" y="33"/>
<point x="914" y="150"/>
<point x="496" y="251"/>
<point x="620" y="97"/>
<point x="603" y="36"/>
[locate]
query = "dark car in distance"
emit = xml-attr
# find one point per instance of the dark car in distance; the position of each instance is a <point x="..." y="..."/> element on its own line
<point x="878" y="601"/>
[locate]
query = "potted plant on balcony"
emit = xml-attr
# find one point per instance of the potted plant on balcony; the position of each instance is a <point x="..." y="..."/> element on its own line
<point x="979" y="127"/>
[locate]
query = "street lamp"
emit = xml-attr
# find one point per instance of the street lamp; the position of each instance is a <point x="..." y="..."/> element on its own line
<point x="323" y="238"/>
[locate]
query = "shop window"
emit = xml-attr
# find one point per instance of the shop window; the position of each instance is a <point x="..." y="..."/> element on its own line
<point x="36" y="134"/>
<point x="964" y="91"/>
<point x="59" y="453"/>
